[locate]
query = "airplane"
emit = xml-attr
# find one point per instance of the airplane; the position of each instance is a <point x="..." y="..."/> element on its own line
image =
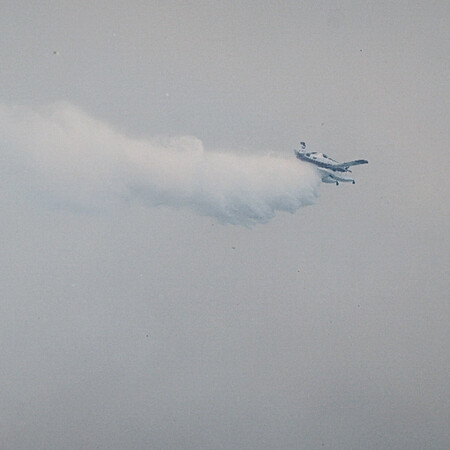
<point x="330" y="170"/>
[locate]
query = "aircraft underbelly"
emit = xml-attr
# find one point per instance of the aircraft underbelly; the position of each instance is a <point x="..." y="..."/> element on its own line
<point x="330" y="176"/>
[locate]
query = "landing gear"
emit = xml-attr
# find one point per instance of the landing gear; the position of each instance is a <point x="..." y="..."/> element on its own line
<point x="353" y="181"/>
<point x="337" y="183"/>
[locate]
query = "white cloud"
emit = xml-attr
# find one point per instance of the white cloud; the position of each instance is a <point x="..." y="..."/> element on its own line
<point x="74" y="160"/>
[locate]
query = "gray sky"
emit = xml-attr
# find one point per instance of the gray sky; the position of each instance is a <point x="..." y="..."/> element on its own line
<point x="154" y="327"/>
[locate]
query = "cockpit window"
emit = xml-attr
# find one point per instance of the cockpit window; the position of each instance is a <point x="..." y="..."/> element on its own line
<point x="325" y="156"/>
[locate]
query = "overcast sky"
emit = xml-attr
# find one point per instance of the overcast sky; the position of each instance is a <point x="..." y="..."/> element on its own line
<point x="129" y="325"/>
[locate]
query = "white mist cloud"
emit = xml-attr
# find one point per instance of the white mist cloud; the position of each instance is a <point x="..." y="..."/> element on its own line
<point x="73" y="160"/>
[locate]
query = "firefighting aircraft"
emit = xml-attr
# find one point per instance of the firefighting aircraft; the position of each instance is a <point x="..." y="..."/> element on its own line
<point x="330" y="170"/>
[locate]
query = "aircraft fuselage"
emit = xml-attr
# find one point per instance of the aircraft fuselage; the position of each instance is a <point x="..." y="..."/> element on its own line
<point x="329" y="170"/>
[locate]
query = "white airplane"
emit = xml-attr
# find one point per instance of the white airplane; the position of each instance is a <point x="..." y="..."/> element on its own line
<point x="330" y="170"/>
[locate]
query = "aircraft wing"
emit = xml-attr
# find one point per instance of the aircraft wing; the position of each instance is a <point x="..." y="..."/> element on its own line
<point x="356" y="162"/>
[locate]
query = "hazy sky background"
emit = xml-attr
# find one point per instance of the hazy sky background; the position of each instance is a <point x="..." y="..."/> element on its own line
<point x="155" y="327"/>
